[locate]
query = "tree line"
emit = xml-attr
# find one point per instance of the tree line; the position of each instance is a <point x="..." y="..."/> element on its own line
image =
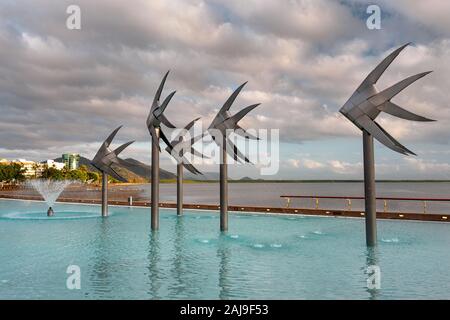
<point x="15" y="172"/>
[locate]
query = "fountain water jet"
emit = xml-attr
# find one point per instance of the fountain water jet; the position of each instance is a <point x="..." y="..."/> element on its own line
<point x="49" y="190"/>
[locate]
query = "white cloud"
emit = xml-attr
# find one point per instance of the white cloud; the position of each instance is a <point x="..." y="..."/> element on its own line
<point x="342" y="167"/>
<point x="312" y="164"/>
<point x="295" y="163"/>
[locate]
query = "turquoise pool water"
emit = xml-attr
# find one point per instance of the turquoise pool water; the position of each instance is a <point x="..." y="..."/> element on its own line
<point x="267" y="257"/>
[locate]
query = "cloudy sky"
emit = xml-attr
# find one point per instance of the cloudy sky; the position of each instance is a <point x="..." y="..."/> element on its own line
<point x="64" y="90"/>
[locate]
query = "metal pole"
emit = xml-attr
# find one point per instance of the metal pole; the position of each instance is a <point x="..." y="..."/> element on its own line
<point x="369" y="190"/>
<point x="104" y="194"/>
<point x="179" y="189"/>
<point x="223" y="187"/>
<point x="155" y="181"/>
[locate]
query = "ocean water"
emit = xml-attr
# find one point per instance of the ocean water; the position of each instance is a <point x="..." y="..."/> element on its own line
<point x="268" y="194"/>
<point x="261" y="257"/>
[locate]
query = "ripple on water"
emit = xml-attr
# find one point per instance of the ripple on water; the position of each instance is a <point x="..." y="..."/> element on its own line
<point x="61" y="215"/>
<point x="392" y="240"/>
<point x="276" y="245"/>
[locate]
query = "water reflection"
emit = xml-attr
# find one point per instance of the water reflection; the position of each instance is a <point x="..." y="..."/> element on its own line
<point x="101" y="272"/>
<point x="372" y="268"/>
<point x="154" y="258"/>
<point x="224" y="255"/>
<point x="179" y="268"/>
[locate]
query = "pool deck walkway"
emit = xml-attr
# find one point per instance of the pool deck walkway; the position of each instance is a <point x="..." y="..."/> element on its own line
<point x="246" y="209"/>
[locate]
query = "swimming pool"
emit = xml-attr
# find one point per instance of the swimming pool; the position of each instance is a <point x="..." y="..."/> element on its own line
<point x="261" y="257"/>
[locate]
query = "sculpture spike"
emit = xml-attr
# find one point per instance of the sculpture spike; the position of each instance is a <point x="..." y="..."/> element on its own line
<point x="392" y="91"/>
<point x="164" y="138"/>
<point x="382" y="136"/>
<point x="242" y="113"/>
<point x="191" y="167"/>
<point x="111" y="136"/>
<point x="376" y="73"/>
<point x="396" y="111"/>
<point x="110" y="171"/>
<point x="166" y="122"/>
<point x="160" y="88"/>
<point x="227" y="105"/>
<point x="166" y="101"/>
<point x="122" y="147"/>
<point x="243" y="133"/>
<point x="233" y="151"/>
<point x="190" y="124"/>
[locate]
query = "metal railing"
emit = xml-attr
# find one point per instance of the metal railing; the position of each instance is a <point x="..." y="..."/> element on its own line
<point x="350" y="198"/>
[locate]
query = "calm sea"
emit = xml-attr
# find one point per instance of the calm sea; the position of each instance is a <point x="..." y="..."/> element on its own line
<point x="268" y="194"/>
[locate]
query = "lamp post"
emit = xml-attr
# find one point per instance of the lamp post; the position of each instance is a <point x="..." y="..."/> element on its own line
<point x="365" y="104"/>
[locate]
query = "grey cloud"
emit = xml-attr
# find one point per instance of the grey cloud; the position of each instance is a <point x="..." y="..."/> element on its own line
<point x="66" y="89"/>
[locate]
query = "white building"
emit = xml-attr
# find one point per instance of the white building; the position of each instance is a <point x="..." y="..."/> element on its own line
<point x="32" y="169"/>
<point x="54" y="164"/>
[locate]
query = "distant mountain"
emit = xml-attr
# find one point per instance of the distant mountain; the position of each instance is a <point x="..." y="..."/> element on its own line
<point x="144" y="170"/>
<point x="205" y="176"/>
<point x="129" y="175"/>
<point x="136" y="172"/>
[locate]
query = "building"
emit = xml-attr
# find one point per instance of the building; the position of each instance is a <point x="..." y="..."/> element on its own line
<point x="32" y="169"/>
<point x="54" y="164"/>
<point x="71" y="160"/>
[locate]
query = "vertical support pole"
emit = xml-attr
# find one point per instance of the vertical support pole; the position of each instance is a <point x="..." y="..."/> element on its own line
<point x="223" y="186"/>
<point x="179" y="189"/>
<point x="155" y="181"/>
<point x="369" y="190"/>
<point x="104" y="194"/>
